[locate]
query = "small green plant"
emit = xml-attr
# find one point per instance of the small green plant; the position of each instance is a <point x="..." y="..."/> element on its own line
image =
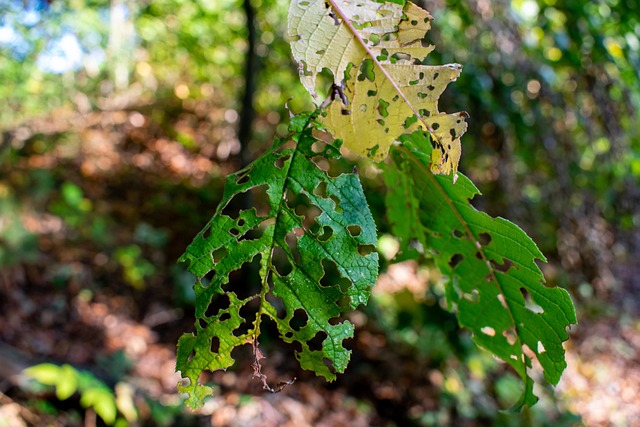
<point x="382" y="104"/>
<point x="94" y="394"/>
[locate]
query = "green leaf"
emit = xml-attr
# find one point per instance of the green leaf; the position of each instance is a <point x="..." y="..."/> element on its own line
<point x="102" y="400"/>
<point x="293" y="250"/>
<point x="494" y="283"/>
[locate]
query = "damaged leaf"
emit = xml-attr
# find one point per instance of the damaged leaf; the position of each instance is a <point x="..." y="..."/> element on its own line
<point x="293" y="252"/>
<point x="375" y="52"/>
<point x="495" y="286"/>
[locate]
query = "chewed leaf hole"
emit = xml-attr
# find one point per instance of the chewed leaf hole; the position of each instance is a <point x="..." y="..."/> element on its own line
<point x="473" y="296"/>
<point x="354" y="230"/>
<point x="457" y="233"/>
<point x="292" y="243"/>
<point x="219" y="303"/>
<point x="484" y="239"/>
<point x="281" y="262"/>
<point x="530" y="303"/>
<point x="321" y="189"/>
<point x="299" y="319"/>
<point x="318" y="147"/>
<point x="327" y="233"/>
<point x="344" y="302"/>
<point x="243" y="179"/>
<point x="331" y="275"/>
<point x="455" y="260"/>
<point x="247" y="314"/>
<point x="329" y="364"/>
<point x="488" y="330"/>
<point x="219" y="254"/>
<point x="502" y="301"/>
<point x="541" y="348"/>
<point x="504" y="267"/>
<point x="510" y="335"/>
<point x="206" y="232"/>
<point x="215" y="345"/>
<point x="338" y="208"/>
<point x="253" y="234"/>
<point x="315" y="343"/>
<point x="280" y="161"/>
<point x="366" y="249"/>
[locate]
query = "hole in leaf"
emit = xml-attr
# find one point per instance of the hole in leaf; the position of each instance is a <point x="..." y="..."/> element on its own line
<point x="215" y="344"/>
<point x="248" y="315"/>
<point x="455" y="260"/>
<point x="329" y="364"/>
<point x="219" y="254"/>
<point x="382" y="108"/>
<point x="253" y="234"/>
<point x="510" y="335"/>
<point x="219" y="303"/>
<point x="331" y="275"/>
<point x="502" y="301"/>
<point x="541" y="348"/>
<point x="289" y="335"/>
<point x="292" y="243"/>
<point x="315" y="343"/>
<point x="321" y="189"/>
<point x="344" y="302"/>
<point x="479" y="255"/>
<point x="224" y="316"/>
<point x="336" y="200"/>
<point x="327" y="232"/>
<point x="207" y="279"/>
<point x="504" y="267"/>
<point x="241" y="222"/>
<point x="473" y="296"/>
<point x="365" y="250"/>
<point x="243" y="179"/>
<point x="276" y="302"/>
<point x="190" y="358"/>
<point x="530" y="303"/>
<point x="245" y="281"/>
<point x="435" y="126"/>
<point x="281" y="262"/>
<point x="488" y="330"/>
<point x="206" y="233"/>
<point x="231" y="209"/>
<point x="299" y="319"/>
<point x="281" y="161"/>
<point x="457" y="233"/>
<point x="366" y="70"/>
<point x="484" y="239"/>
<point x="318" y="147"/>
<point x="354" y="230"/>
<point x="310" y="214"/>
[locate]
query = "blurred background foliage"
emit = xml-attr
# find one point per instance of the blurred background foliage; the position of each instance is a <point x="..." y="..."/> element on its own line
<point x="120" y="119"/>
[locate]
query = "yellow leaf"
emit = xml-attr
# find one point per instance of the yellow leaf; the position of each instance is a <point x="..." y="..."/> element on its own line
<point x="380" y="89"/>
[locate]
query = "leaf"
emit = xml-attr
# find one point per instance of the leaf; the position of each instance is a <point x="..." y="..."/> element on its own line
<point x="342" y="234"/>
<point x="381" y="89"/>
<point x="494" y="281"/>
